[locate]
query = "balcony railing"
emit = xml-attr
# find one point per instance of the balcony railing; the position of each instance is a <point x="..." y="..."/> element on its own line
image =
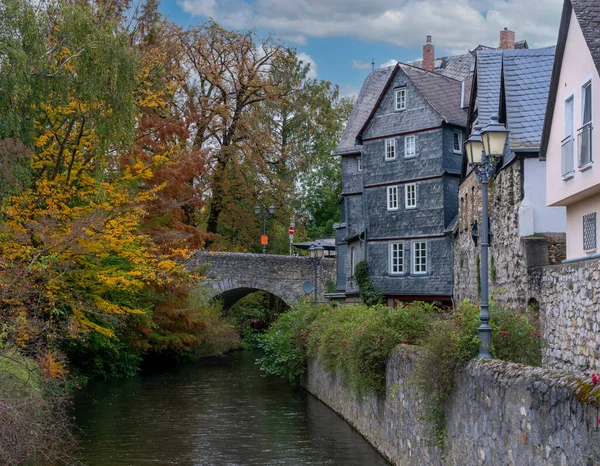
<point x="584" y="136"/>
<point x="568" y="161"/>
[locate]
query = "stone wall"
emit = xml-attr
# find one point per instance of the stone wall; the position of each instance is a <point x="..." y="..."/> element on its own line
<point x="498" y="413"/>
<point x="568" y="297"/>
<point x="510" y="255"/>
<point x="508" y="271"/>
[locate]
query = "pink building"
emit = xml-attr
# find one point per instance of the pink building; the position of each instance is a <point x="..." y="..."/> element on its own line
<point x="570" y="143"/>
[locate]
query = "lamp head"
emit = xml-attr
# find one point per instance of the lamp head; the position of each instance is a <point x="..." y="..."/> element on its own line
<point x="474" y="147"/>
<point x="494" y="136"/>
<point x="272" y="209"/>
<point x="257" y="209"/>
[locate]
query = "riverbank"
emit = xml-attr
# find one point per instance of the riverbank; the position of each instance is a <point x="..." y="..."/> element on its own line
<point x="498" y="413"/>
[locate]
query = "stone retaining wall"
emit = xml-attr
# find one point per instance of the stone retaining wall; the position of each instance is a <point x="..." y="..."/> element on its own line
<point x="499" y="413"/>
<point x="568" y="296"/>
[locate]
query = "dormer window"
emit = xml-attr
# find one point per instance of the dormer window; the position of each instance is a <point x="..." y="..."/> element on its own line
<point x="400" y="99"/>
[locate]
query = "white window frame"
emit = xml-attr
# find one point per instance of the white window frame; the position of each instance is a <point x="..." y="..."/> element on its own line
<point x="569" y="139"/>
<point x="392" y="198"/>
<point x="390" y="146"/>
<point x="359" y="163"/>
<point x="396" y="262"/>
<point x="408" y="155"/>
<point x="407" y="197"/>
<point x="460" y="142"/>
<point x="422" y="266"/>
<point x="401" y="92"/>
<point x="588" y="82"/>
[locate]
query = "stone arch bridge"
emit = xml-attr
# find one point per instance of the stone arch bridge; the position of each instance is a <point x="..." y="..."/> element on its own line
<point x="233" y="275"/>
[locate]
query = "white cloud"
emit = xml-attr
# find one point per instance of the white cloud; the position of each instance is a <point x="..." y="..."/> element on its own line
<point x="388" y="63"/>
<point x="307" y="60"/>
<point x="361" y="65"/>
<point x="456" y="25"/>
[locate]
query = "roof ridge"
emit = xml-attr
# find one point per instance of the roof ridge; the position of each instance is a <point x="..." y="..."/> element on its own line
<point x="433" y="73"/>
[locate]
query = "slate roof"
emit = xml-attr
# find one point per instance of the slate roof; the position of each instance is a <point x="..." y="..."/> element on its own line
<point x="527" y="76"/>
<point x="489" y="78"/>
<point x="588" y="16"/>
<point x="441" y="92"/>
<point x="363" y="107"/>
<point x="457" y="67"/>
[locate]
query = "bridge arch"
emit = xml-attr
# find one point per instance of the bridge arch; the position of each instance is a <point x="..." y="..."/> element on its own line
<point x="235" y="275"/>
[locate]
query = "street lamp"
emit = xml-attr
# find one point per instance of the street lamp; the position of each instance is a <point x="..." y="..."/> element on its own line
<point x="484" y="148"/>
<point x="271" y="211"/>
<point x="315" y="252"/>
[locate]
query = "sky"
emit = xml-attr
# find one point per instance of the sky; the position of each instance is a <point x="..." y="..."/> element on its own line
<point x="340" y="38"/>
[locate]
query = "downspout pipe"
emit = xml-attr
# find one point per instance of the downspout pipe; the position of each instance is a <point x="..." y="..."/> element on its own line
<point x="359" y="147"/>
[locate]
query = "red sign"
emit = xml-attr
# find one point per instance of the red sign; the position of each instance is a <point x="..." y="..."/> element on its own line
<point x="291" y="230"/>
<point x="264" y="240"/>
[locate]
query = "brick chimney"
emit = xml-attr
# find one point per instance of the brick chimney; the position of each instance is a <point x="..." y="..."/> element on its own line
<point x="507" y="39"/>
<point x="429" y="55"/>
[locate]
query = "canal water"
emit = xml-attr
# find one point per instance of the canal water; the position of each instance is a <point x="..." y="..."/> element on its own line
<point x="215" y="412"/>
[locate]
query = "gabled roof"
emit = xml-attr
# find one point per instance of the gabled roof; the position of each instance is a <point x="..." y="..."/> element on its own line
<point x="588" y="16"/>
<point x="526" y="76"/>
<point x="587" y="13"/>
<point x="368" y="97"/>
<point x="441" y="92"/>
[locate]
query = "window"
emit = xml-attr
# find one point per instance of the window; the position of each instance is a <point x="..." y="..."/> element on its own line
<point x="396" y="258"/>
<point x="568" y="144"/>
<point x="392" y="198"/>
<point x="390" y="149"/>
<point x="589" y="232"/>
<point x="359" y="163"/>
<point x="584" y="135"/>
<point x="352" y="262"/>
<point x="409" y="146"/>
<point x="410" y="196"/>
<point x="457" y="141"/>
<point x="400" y="99"/>
<point x="419" y="257"/>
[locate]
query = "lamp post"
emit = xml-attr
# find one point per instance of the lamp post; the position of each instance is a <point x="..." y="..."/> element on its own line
<point x="271" y="212"/>
<point x="315" y="252"/>
<point x="484" y="148"/>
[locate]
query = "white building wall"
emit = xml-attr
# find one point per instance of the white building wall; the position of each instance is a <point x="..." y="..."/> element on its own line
<point x="534" y="215"/>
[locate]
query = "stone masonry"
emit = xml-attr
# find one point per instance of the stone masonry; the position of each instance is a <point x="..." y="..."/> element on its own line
<point x="498" y="414"/>
<point x="568" y="297"/>
<point x="510" y="256"/>
<point x="235" y="275"/>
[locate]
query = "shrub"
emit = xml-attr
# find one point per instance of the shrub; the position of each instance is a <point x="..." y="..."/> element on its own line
<point x="454" y="341"/>
<point x="367" y="294"/>
<point x="35" y="426"/>
<point x="355" y="340"/>
<point x="284" y="345"/>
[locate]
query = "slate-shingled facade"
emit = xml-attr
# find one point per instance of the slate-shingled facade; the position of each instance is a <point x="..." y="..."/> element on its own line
<point x="410" y="191"/>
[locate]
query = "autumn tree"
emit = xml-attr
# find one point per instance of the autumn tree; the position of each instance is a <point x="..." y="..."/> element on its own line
<point x="228" y="75"/>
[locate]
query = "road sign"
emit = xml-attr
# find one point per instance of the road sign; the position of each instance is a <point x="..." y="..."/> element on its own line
<point x="308" y="287"/>
<point x="291" y="230"/>
<point x="264" y="240"/>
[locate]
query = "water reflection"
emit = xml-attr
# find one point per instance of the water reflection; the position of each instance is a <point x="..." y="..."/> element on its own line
<point x="220" y="412"/>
